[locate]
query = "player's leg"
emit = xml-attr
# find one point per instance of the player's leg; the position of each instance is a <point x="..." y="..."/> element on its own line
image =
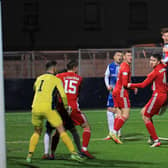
<point x="123" y="110"/>
<point x="151" y="129"/>
<point x="76" y="138"/>
<point x="33" y="142"/>
<point x="86" y="139"/>
<point x="67" y="141"/>
<point x="70" y="126"/>
<point x="37" y="122"/>
<point x="153" y="107"/>
<point x="110" y="121"/>
<point x="47" y="140"/>
<point x="150" y="140"/>
<point x="110" y="116"/>
<point x="56" y="121"/>
<point x="80" y="119"/>
<point x="122" y="105"/>
<point x="55" y="139"/>
<point x="54" y="144"/>
<point x="122" y="116"/>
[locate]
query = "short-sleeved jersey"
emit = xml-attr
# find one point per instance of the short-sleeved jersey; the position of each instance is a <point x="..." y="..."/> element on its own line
<point x="111" y="74"/>
<point x="124" y="77"/>
<point x="158" y="78"/>
<point x="72" y="83"/>
<point x="46" y="88"/>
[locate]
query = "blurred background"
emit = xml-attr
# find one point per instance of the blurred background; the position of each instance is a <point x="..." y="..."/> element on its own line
<point x="90" y="31"/>
<point x="65" y="24"/>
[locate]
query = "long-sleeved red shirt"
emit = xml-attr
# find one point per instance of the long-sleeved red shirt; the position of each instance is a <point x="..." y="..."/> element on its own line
<point x="124" y="77"/>
<point x="158" y="78"/>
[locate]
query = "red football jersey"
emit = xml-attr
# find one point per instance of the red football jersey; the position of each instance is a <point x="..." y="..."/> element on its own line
<point x="124" y="77"/>
<point x="71" y="82"/>
<point x="159" y="78"/>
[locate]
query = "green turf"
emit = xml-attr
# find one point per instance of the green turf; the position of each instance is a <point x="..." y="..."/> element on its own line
<point x="134" y="153"/>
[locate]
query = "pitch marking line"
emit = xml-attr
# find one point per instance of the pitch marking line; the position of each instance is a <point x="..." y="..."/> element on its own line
<point x="93" y="139"/>
<point x="162" y="138"/>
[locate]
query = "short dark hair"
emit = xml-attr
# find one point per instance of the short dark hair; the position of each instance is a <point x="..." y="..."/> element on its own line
<point x="71" y="64"/>
<point x="50" y="64"/>
<point x="117" y="51"/>
<point x="126" y="51"/>
<point x="158" y="56"/>
<point x="164" y="30"/>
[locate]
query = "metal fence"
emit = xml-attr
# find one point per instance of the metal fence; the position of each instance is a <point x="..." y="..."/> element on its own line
<point x="92" y="62"/>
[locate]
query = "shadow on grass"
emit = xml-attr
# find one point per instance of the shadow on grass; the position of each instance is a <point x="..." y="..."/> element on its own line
<point x="98" y="163"/>
<point x="133" y="137"/>
<point x="20" y="162"/>
<point x="63" y="161"/>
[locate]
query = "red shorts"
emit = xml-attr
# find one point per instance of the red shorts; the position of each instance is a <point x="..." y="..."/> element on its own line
<point x="77" y="117"/>
<point x="121" y="102"/>
<point x="154" y="104"/>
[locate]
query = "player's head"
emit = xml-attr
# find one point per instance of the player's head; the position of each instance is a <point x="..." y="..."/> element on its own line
<point x="164" y="33"/>
<point x="51" y="67"/>
<point x="155" y="59"/>
<point x="117" y="57"/>
<point x="127" y="56"/>
<point x="62" y="70"/>
<point x="72" y="66"/>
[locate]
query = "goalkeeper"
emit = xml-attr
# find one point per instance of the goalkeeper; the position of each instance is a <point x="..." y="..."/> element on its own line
<point x="68" y="125"/>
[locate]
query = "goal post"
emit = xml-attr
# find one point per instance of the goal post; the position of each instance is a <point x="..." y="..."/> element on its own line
<point x="2" y="111"/>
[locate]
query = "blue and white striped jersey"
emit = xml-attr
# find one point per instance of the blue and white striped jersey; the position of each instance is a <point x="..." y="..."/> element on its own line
<point x="111" y="74"/>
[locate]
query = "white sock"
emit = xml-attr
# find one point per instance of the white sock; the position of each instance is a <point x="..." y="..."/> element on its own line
<point x="119" y="132"/>
<point x="110" y="119"/>
<point x="46" y="143"/>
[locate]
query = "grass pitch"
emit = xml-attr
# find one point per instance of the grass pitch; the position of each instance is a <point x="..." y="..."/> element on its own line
<point x="134" y="153"/>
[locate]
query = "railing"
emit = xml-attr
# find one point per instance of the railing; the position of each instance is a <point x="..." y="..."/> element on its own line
<point x="92" y="62"/>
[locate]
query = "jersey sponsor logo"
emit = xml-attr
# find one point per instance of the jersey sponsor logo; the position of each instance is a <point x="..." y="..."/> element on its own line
<point x="125" y="73"/>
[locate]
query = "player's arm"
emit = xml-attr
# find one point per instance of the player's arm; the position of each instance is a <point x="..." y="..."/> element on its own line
<point x="80" y="86"/>
<point x="62" y="92"/>
<point x="125" y="70"/>
<point x="34" y="86"/>
<point x="106" y="79"/>
<point x="145" y="83"/>
<point x="125" y="78"/>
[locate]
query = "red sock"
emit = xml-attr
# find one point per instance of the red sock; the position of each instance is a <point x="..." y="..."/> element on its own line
<point x="119" y="123"/>
<point x="115" y="122"/>
<point x="151" y="129"/>
<point x="86" y="137"/>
